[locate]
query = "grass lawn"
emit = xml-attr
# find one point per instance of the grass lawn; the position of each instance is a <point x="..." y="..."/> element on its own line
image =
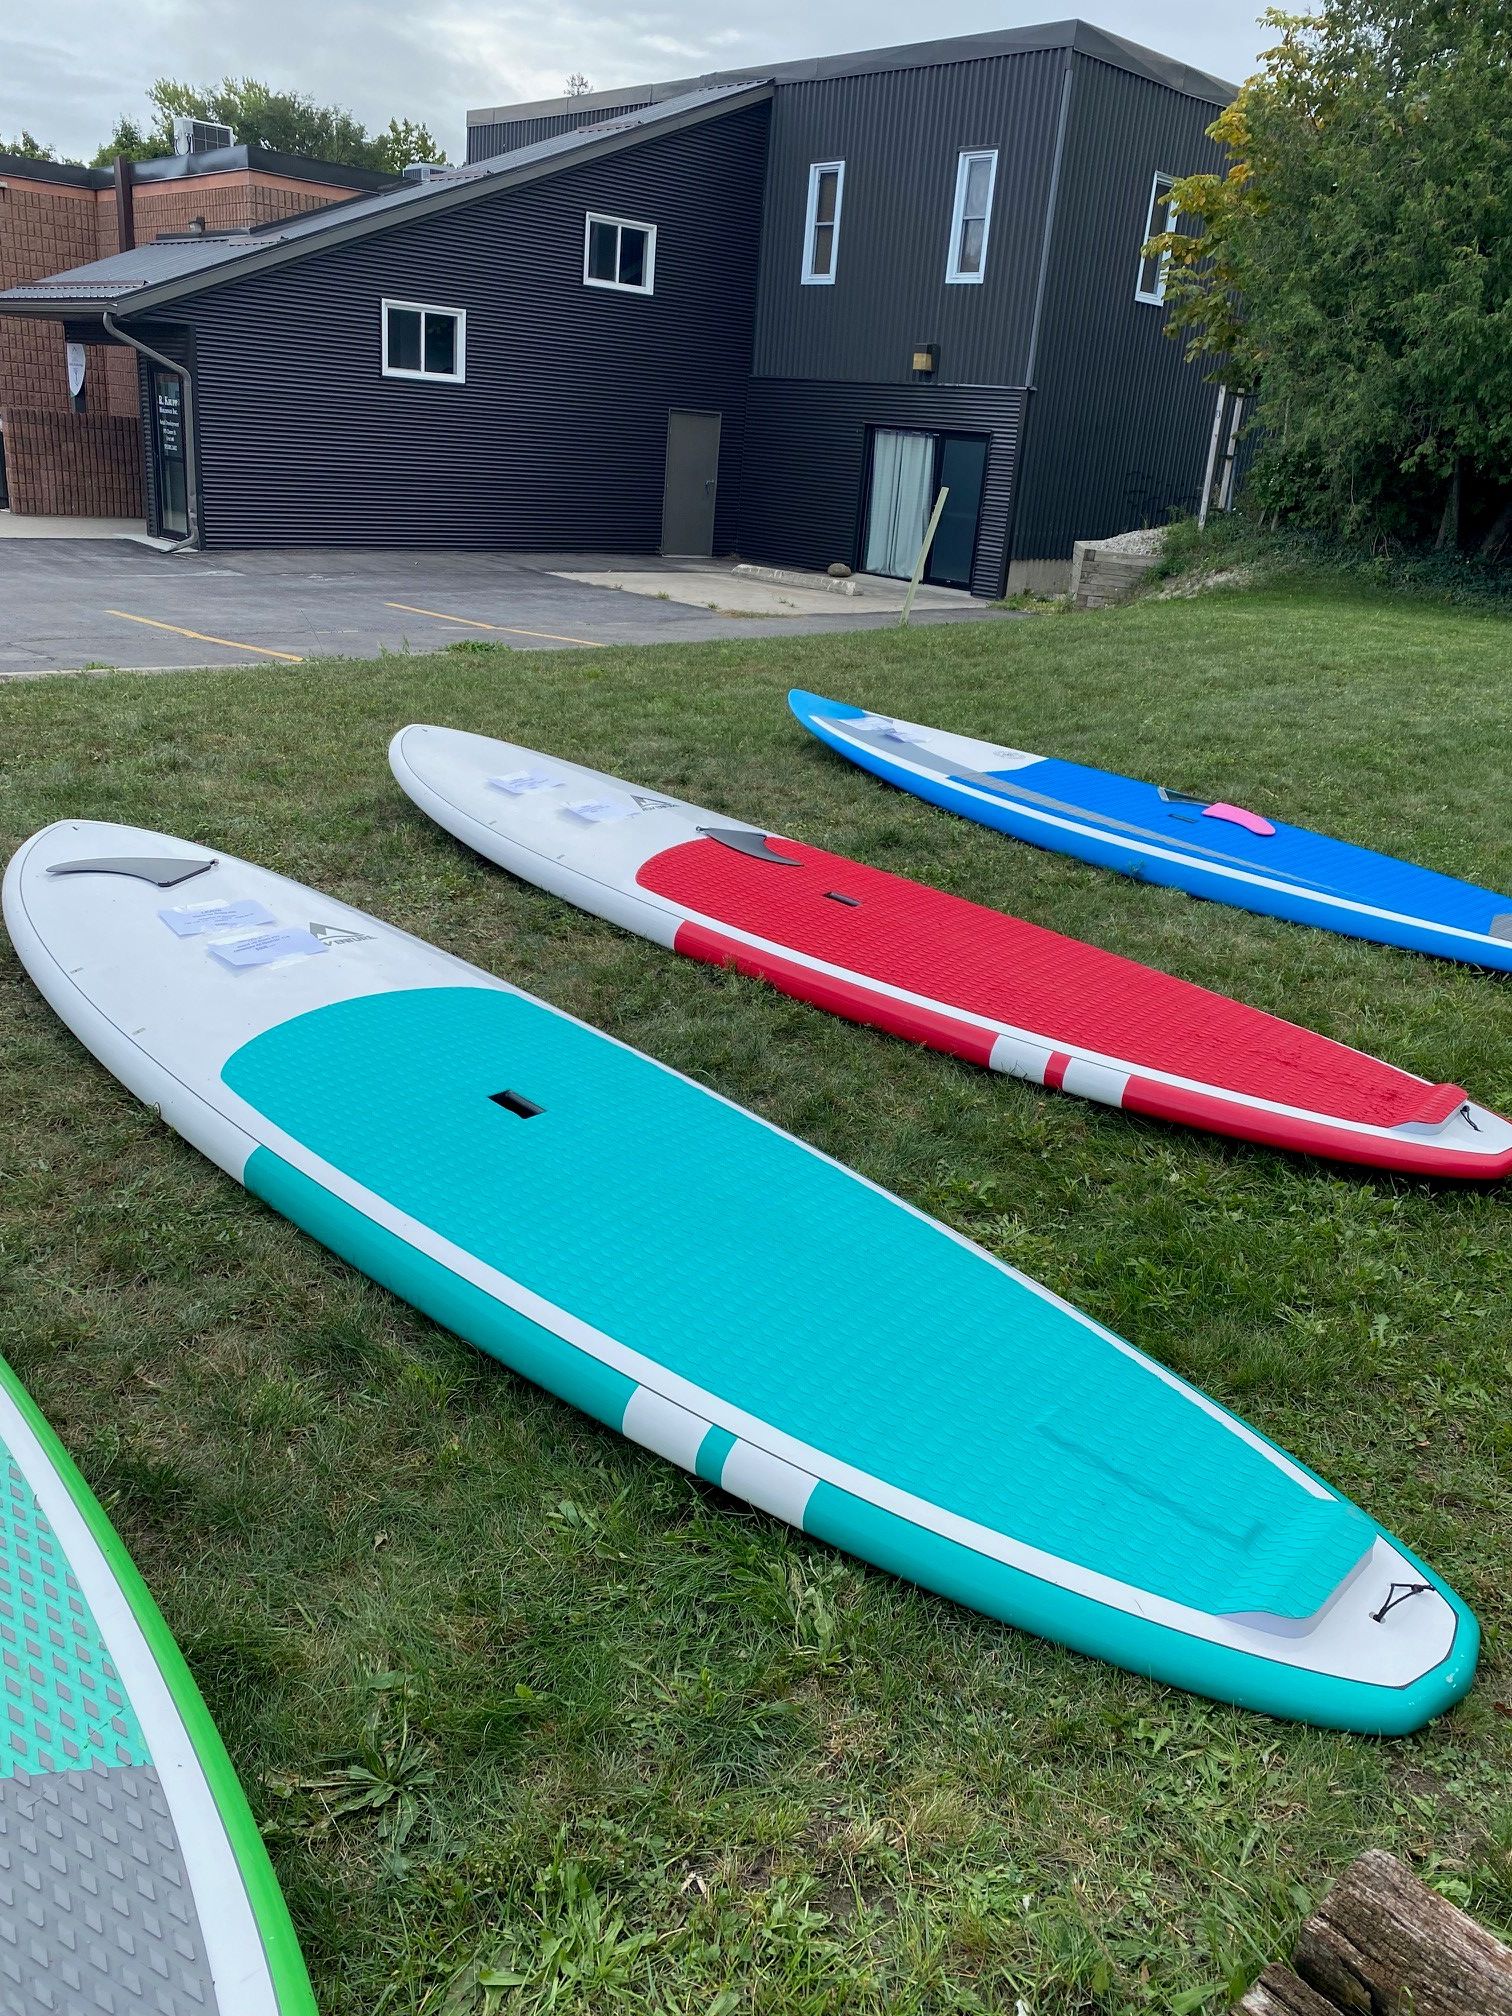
<point x="534" y="1721"/>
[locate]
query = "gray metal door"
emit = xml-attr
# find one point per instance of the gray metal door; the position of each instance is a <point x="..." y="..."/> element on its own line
<point x="692" y="484"/>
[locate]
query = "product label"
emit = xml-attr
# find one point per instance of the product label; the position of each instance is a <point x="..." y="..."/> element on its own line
<point x="519" y="782"/>
<point x="265" y="948"/>
<point x="598" y="811"/>
<point x="193" y="919"/>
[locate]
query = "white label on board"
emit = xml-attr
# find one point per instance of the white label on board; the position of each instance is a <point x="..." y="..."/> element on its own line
<point x="598" y="811"/>
<point x="904" y="731"/>
<point x="518" y="782"/>
<point x="265" y="948"/>
<point x="192" y="919"/>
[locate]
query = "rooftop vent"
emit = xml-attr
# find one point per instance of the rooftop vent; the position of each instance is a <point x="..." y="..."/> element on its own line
<point x="199" y="136"/>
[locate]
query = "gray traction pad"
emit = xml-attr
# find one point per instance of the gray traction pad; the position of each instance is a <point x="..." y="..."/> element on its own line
<point x="96" y="1914"/>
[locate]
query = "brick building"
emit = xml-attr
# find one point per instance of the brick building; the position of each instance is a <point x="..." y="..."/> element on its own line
<point x="79" y="452"/>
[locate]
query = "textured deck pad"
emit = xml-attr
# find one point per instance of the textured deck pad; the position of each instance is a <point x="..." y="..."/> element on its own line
<point x="987" y="963"/>
<point x="96" y="1913"/>
<point x="133" y="1881"/>
<point x="749" y="1267"/>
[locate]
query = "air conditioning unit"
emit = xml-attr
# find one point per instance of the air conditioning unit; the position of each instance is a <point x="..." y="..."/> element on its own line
<point x="422" y="171"/>
<point x="200" y="136"/>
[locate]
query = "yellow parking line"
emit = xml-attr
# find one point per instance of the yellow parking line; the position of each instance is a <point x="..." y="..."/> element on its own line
<point x="200" y="637"/>
<point x="508" y="629"/>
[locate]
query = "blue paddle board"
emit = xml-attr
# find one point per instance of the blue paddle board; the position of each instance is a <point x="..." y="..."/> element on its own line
<point x="718" y="1291"/>
<point x="1226" y="853"/>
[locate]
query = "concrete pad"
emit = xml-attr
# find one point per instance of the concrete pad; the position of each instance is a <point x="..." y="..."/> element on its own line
<point x="28" y="525"/>
<point x="765" y="591"/>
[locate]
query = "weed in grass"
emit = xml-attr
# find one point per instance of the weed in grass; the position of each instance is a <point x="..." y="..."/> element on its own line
<point x="654" y="1752"/>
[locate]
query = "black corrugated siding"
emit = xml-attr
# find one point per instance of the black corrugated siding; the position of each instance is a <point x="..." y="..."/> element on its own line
<point x="504" y="135"/>
<point x="806" y="465"/>
<point x="558" y="437"/>
<point x="900" y="134"/>
<point x="1119" y="424"/>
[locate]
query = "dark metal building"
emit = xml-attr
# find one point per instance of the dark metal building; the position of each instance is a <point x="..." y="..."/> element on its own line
<point x="773" y="315"/>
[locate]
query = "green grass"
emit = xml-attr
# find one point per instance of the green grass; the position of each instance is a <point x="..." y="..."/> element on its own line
<point x="533" y="1721"/>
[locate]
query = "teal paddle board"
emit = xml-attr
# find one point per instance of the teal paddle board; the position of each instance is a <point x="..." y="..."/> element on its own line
<point x="722" y="1293"/>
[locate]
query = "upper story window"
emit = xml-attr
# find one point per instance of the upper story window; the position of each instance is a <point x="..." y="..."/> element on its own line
<point x="1152" y="266"/>
<point x="976" y="171"/>
<point x="424" y="342"/>
<point x="821" y="230"/>
<point x="617" y="252"/>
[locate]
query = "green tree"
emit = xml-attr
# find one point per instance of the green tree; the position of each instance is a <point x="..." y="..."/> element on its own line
<point x="1353" y="266"/>
<point x="290" y="122"/>
<point x="29" y="145"/>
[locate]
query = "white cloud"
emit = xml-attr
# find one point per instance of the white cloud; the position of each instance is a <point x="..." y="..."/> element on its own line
<point x="381" y="58"/>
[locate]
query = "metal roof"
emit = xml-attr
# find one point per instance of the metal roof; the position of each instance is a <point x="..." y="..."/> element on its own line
<point x="169" y="269"/>
<point x="1081" y="36"/>
<point x="240" y="159"/>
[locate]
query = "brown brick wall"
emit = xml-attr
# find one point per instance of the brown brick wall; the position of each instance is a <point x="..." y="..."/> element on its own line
<point x="73" y="464"/>
<point x="46" y="227"/>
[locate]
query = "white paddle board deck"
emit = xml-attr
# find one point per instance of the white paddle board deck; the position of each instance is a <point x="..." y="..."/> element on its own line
<point x="721" y="1293"/>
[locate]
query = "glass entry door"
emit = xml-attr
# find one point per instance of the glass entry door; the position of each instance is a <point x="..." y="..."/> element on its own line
<point x="900" y="500"/>
<point x="172" y="481"/>
<point x="906" y="475"/>
<point x="963" y="463"/>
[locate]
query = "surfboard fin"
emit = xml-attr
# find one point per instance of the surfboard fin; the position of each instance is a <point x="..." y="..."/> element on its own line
<point x="163" y="874"/>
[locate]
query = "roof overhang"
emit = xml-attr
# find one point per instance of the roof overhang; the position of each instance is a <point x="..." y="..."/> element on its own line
<point x="435" y="199"/>
<point x="1080" y="36"/>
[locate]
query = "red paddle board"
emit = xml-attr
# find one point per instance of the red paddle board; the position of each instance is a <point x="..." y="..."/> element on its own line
<point x="936" y="969"/>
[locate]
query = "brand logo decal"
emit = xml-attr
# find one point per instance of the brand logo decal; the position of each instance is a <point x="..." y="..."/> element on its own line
<point x="335" y="934"/>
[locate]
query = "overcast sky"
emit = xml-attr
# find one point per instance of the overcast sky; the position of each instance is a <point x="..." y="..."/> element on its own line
<point x="67" y="73"/>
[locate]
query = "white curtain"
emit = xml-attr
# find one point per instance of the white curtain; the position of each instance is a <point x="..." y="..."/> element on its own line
<point x="902" y="468"/>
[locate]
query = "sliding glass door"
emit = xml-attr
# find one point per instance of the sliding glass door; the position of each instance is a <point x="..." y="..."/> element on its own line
<point x="902" y="494"/>
<point x="907" y="473"/>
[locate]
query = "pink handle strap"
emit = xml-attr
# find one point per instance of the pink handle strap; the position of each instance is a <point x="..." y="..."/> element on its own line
<point x="1237" y="816"/>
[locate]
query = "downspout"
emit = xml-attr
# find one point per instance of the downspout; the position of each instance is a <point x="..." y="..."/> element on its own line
<point x="1041" y="284"/>
<point x="191" y="466"/>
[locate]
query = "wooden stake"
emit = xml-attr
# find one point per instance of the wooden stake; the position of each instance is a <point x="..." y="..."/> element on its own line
<point x="929" y="531"/>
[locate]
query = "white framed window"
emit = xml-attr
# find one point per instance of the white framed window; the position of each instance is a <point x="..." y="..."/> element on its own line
<point x="821" y="226"/>
<point x="421" y="341"/>
<point x="971" y="217"/>
<point x="620" y="253"/>
<point x="1161" y="216"/>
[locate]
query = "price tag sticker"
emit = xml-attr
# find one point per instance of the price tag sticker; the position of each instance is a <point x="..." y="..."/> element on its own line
<point x="192" y="920"/>
<point x="264" y="948"/>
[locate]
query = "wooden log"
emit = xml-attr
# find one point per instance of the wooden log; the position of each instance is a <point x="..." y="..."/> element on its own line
<point x="1382" y="1944"/>
<point x="1279" y="1992"/>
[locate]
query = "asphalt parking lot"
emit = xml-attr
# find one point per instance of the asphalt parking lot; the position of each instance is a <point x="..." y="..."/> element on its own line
<point x="97" y="604"/>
